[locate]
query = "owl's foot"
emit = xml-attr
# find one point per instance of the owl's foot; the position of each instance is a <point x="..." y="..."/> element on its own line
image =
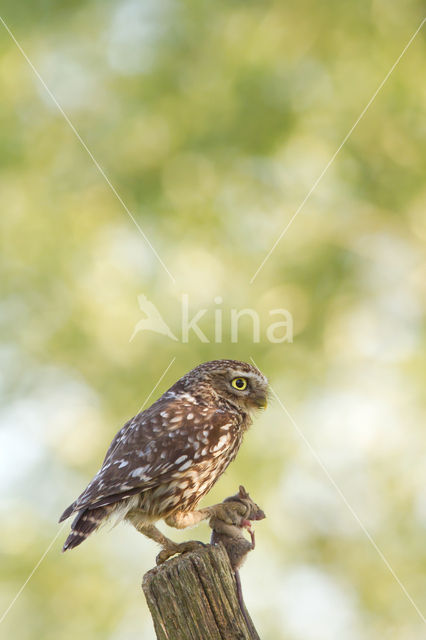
<point x="172" y="548"/>
<point x="237" y="510"/>
<point x="229" y="512"/>
<point x="169" y="548"/>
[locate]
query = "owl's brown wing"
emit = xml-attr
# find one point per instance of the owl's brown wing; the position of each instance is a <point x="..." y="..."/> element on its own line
<point x="170" y="436"/>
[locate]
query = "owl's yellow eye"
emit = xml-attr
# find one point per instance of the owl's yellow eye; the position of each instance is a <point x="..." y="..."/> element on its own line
<point x="239" y="383"/>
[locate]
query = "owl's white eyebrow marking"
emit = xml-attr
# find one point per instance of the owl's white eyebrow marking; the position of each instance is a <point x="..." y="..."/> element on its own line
<point x="243" y="374"/>
<point x="181" y="459"/>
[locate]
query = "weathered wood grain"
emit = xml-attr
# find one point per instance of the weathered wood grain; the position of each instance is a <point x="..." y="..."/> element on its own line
<point x="194" y="597"/>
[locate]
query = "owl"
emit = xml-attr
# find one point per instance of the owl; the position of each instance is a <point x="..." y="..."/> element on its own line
<point x="166" y="458"/>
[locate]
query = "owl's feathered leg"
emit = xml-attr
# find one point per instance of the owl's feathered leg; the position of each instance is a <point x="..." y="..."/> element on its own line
<point x="170" y="548"/>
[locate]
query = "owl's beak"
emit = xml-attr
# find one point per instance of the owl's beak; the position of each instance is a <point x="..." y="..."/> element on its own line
<point x="261" y="401"/>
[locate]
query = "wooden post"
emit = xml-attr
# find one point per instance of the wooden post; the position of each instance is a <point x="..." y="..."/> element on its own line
<point x="194" y="597"/>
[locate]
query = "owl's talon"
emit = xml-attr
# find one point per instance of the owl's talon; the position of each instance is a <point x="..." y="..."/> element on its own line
<point x="162" y="557"/>
<point x="173" y="549"/>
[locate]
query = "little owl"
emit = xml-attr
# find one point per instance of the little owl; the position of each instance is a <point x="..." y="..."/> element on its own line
<point x="166" y="458"/>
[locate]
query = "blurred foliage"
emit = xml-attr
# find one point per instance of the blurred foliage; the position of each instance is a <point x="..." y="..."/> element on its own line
<point x="213" y="121"/>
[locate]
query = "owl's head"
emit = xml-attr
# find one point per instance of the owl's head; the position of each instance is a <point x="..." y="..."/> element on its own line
<point x="237" y="382"/>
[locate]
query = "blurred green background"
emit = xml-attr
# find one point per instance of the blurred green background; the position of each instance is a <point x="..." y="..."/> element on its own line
<point x="213" y="120"/>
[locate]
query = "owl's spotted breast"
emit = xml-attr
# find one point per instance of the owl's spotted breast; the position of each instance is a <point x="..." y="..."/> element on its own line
<point x="195" y="472"/>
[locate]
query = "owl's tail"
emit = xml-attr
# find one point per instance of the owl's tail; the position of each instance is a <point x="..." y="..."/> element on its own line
<point x="86" y="522"/>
